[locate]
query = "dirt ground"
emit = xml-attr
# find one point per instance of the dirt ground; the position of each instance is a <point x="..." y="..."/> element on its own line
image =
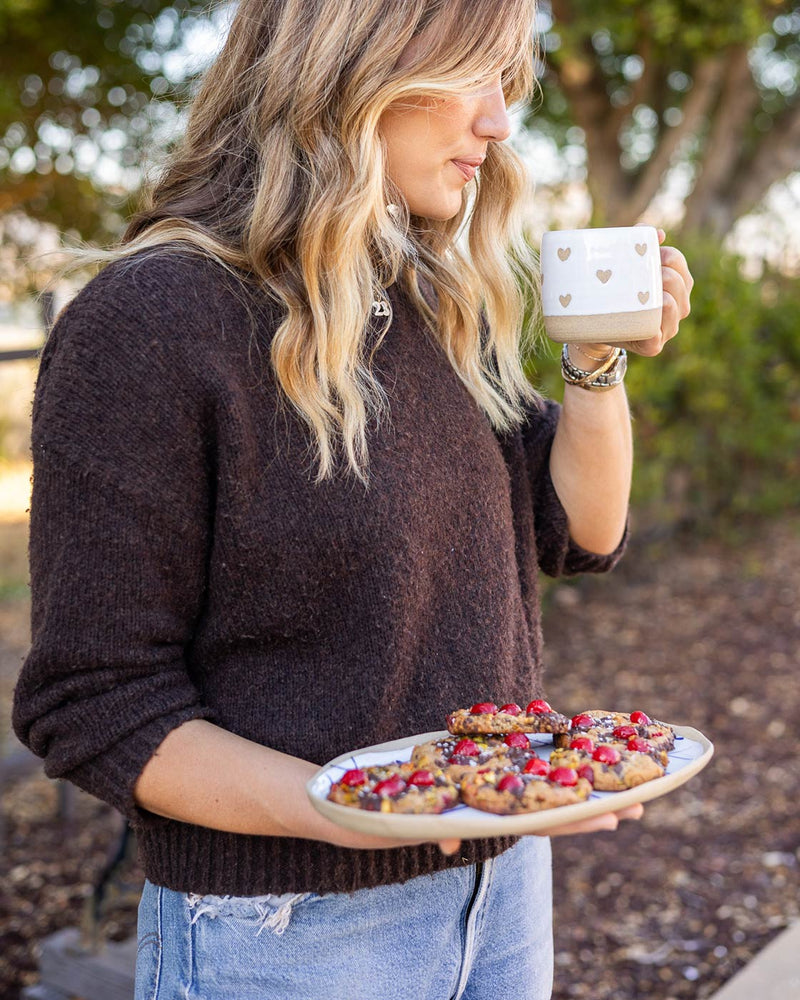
<point x="706" y="635"/>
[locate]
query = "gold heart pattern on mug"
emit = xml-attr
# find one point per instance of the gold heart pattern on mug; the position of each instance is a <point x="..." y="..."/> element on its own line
<point x="601" y="280"/>
<point x="603" y="275"/>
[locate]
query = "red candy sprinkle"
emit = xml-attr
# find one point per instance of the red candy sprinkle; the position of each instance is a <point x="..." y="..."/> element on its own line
<point x="421" y="779"/>
<point x="582" y="743"/>
<point x="466" y="748"/>
<point x="639" y="745"/>
<point x="510" y="783"/>
<point x="392" y="785"/>
<point x="607" y="755"/>
<point x="582" y="721"/>
<point x="536" y="766"/>
<point x="625" y="732"/>
<point x="512" y="708"/>
<point x="538" y="707"/>
<point x="484" y="708"/>
<point x="517" y="740"/>
<point x="585" y="771"/>
<point x="565" y="776"/>
<point x="354" y="778"/>
<point x="640" y="718"/>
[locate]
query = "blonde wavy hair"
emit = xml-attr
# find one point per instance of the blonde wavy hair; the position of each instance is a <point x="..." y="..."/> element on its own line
<point x="280" y="177"/>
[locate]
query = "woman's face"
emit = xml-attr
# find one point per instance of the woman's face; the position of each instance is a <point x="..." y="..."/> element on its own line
<point x="434" y="146"/>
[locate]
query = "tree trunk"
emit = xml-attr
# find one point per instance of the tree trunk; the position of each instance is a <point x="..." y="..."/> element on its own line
<point x="710" y="206"/>
<point x="699" y="100"/>
<point x="734" y="168"/>
<point x="584" y="86"/>
<point x="777" y="156"/>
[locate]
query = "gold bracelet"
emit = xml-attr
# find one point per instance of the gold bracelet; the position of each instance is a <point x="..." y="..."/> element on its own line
<point x="608" y="375"/>
<point x="591" y="357"/>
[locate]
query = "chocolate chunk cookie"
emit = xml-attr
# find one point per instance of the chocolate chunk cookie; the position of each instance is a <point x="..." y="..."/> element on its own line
<point x="486" y="717"/>
<point x="396" y="788"/>
<point x="613" y="769"/>
<point x="508" y="793"/>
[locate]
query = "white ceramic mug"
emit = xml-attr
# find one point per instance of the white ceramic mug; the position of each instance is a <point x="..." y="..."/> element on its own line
<point x="601" y="284"/>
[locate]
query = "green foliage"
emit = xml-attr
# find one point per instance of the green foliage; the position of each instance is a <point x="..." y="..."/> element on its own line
<point x="717" y="415"/>
<point x="87" y="94"/>
<point x="645" y="86"/>
<point x="672" y="34"/>
<point x="670" y="25"/>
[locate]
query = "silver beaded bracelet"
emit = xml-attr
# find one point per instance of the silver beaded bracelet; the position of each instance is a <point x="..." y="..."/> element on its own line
<point x="609" y="374"/>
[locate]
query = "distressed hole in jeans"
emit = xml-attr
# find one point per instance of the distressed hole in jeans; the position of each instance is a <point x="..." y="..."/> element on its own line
<point x="271" y="912"/>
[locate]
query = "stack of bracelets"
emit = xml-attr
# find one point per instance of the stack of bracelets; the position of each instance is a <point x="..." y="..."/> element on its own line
<point x="610" y="373"/>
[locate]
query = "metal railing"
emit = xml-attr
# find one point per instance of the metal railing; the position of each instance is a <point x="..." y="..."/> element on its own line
<point x="20" y="355"/>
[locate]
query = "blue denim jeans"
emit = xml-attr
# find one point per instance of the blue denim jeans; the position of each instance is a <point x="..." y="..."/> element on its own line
<point x="473" y="933"/>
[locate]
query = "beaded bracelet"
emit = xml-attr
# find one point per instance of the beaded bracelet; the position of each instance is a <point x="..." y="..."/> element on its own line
<point x="609" y="374"/>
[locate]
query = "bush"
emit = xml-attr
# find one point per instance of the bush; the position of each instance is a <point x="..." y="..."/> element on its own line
<point x="717" y="416"/>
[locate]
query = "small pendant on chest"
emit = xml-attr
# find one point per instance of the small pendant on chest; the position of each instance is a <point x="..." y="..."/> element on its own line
<point x="380" y="307"/>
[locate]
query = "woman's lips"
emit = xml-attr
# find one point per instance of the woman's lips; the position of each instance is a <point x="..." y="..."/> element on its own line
<point x="467" y="167"/>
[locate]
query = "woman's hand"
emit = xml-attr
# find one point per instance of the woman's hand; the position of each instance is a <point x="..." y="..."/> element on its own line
<point x="606" y="821"/>
<point x="678" y="283"/>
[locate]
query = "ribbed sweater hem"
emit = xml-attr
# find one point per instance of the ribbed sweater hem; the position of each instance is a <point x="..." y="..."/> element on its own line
<point x="211" y="862"/>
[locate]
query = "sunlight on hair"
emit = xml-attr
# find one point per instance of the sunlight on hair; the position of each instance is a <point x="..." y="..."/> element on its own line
<point x="280" y="178"/>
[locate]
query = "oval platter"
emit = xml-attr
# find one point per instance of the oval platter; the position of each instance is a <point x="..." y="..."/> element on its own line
<point x="691" y="754"/>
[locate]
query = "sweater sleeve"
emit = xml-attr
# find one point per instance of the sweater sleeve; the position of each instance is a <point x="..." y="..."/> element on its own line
<point x="558" y="554"/>
<point x="119" y="537"/>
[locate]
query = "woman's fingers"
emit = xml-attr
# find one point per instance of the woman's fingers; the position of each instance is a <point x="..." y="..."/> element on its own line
<point x="631" y="812"/>
<point x="672" y="258"/>
<point x="678" y="283"/>
<point x="677" y="279"/>
<point x="606" y="821"/>
<point x="646" y="348"/>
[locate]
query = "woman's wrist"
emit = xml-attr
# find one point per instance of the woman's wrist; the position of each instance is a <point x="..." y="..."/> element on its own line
<point x="589" y="357"/>
<point x="606" y="372"/>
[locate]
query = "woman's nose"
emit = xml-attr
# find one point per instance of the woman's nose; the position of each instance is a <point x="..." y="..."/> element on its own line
<point x="491" y="121"/>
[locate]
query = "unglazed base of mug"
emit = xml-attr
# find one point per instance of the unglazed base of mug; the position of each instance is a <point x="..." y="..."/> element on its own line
<point x="604" y="328"/>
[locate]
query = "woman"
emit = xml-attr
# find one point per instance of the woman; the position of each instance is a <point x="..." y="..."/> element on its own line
<point x="291" y="496"/>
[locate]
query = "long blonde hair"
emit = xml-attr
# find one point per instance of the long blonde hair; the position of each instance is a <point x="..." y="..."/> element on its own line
<point x="280" y="175"/>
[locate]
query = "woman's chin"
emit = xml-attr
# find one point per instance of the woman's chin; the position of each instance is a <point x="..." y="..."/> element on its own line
<point x="437" y="209"/>
<point x="440" y="213"/>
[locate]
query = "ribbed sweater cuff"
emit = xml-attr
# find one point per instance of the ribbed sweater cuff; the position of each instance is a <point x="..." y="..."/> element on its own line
<point x="113" y="774"/>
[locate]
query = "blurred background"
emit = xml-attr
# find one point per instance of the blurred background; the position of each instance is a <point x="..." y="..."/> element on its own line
<point x="678" y="113"/>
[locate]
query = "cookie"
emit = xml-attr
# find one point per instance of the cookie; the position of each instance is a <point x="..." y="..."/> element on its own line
<point x="486" y="717"/>
<point x="618" y="728"/>
<point x="613" y="769"/>
<point x="511" y="792"/>
<point x="396" y="788"/>
<point x="458" y="755"/>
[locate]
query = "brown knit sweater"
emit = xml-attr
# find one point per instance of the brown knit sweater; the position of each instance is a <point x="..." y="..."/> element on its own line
<point x="184" y="565"/>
